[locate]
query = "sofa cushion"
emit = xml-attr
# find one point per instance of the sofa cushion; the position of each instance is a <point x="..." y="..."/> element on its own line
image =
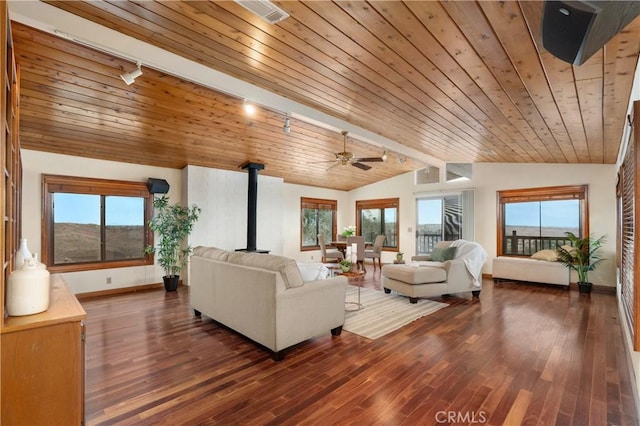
<point x="546" y="254"/>
<point x="211" y="253"/>
<point x="287" y="267"/>
<point x="415" y="275"/>
<point x="439" y="254"/>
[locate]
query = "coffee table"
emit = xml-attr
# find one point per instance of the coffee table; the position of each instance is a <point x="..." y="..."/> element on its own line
<point x="355" y="278"/>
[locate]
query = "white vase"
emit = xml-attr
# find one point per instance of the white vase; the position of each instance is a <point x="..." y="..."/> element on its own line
<point x="28" y="289"/>
<point x="22" y="254"/>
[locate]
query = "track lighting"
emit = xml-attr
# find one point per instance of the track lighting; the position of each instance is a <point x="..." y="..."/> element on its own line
<point x="249" y="108"/>
<point x="130" y="77"/>
<point x="287" y="125"/>
<point x="384" y="155"/>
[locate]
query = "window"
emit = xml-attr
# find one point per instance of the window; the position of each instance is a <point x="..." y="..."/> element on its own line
<point x="94" y="223"/>
<point x="374" y="217"/>
<point x="443" y="217"/>
<point x="534" y="219"/>
<point x="317" y="217"/>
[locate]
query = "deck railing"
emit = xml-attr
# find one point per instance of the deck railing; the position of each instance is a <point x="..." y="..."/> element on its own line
<point x="426" y="242"/>
<point x="526" y="245"/>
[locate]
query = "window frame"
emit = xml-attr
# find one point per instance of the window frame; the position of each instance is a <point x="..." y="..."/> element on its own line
<point x="52" y="184"/>
<point x="549" y="193"/>
<point x="304" y="203"/>
<point x="382" y="203"/>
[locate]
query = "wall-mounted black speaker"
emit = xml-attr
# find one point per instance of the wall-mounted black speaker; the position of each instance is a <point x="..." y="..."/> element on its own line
<point x="157" y="186"/>
<point x="574" y="30"/>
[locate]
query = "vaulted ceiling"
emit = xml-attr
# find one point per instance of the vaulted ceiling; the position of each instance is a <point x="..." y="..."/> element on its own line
<point x="447" y="81"/>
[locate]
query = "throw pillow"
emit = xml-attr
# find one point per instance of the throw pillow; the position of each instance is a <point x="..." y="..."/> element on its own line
<point x="547" y="254"/>
<point x="443" y="254"/>
<point x="570" y="249"/>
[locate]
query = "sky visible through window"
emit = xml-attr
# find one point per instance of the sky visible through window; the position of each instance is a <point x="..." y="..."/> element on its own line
<point x="557" y="214"/>
<point x="560" y="213"/>
<point x="85" y="209"/>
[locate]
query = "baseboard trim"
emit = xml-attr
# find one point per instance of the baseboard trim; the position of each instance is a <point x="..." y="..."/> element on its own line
<point x="572" y="286"/>
<point x="121" y="290"/>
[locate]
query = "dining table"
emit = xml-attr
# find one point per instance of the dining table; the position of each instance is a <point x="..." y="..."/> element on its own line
<point x="341" y="245"/>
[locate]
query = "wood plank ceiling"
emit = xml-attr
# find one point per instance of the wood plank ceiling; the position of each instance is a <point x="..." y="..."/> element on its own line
<point x="458" y="81"/>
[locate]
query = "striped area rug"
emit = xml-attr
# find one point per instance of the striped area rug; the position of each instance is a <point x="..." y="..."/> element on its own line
<point x="383" y="313"/>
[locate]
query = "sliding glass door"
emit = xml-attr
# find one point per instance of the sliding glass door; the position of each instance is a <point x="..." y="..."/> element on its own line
<point x="443" y="217"/>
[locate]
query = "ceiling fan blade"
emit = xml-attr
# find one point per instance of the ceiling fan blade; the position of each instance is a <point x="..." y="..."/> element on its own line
<point x="369" y="160"/>
<point x="331" y="167"/>
<point x="361" y="166"/>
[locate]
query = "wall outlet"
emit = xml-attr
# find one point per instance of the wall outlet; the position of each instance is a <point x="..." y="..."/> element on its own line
<point x="108" y="280"/>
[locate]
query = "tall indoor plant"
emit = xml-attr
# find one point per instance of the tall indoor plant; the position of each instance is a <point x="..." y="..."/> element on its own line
<point x="172" y="223"/>
<point x="582" y="257"/>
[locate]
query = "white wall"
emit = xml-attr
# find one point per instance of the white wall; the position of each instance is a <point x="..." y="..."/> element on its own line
<point x="222" y="196"/>
<point x="35" y="163"/>
<point x="489" y="178"/>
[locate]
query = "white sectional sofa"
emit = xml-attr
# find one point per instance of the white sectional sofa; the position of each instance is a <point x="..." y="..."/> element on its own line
<point x="530" y="270"/>
<point x="263" y="297"/>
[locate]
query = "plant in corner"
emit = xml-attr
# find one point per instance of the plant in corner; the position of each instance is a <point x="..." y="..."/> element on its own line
<point x="172" y="223"/>
<point x="582" y="257"/>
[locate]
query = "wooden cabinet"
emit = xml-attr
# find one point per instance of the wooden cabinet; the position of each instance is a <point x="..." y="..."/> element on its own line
<point x="43" y="363"/>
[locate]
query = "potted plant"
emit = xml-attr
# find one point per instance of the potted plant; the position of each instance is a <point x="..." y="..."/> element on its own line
<point x="173" y="223"/>
<point x="582" y="257"/>
<point x="349" y="231"/>
<point x="345" y="265"/>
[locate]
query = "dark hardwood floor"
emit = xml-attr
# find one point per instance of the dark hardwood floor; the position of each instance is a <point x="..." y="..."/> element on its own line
<point x="521" y="354"/>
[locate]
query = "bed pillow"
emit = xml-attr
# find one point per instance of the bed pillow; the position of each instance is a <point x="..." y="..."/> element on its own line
<point x="443" y="254"/>
<point x="547" y="254"/>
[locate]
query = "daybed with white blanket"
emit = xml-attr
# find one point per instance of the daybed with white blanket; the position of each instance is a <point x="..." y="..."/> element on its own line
<point x="452" y="267"/>
<point x="542" y="267"/>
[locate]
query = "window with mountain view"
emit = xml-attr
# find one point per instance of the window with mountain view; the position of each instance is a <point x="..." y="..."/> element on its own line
<point x="95" y="223"/>
<point x="317" y="217"/>
<point x="535" y="219"/>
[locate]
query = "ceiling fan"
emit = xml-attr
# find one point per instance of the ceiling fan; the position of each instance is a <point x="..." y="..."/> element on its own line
<point x="346" y="157"/>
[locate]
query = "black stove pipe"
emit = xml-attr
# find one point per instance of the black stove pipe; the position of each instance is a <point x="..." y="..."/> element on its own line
<point x="252" y="204"/>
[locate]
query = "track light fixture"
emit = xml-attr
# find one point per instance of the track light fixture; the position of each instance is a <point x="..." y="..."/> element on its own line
<point x="249" y="108"/>
<point x="384" y="155"/>
<point x="287" y="125"/>
<point x="130" y="77"/>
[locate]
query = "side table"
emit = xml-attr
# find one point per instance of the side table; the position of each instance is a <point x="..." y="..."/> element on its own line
<point x="355" y="277"/>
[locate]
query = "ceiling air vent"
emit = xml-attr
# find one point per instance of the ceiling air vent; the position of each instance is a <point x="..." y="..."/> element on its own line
<point x="264" y="9"/>
<point x="429" y="174"/>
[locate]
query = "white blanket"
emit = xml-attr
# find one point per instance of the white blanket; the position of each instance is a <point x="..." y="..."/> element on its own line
<point x="473" y="255"/>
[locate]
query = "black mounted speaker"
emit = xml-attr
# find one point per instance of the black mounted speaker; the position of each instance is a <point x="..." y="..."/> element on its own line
<point x="574" y="30"/>
<point x="157" y="186"/>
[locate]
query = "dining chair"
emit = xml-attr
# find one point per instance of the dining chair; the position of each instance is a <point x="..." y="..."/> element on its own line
<point x="359" y="241"/>
<point x="376" y="251"/>
<point x="334" y="255"/>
